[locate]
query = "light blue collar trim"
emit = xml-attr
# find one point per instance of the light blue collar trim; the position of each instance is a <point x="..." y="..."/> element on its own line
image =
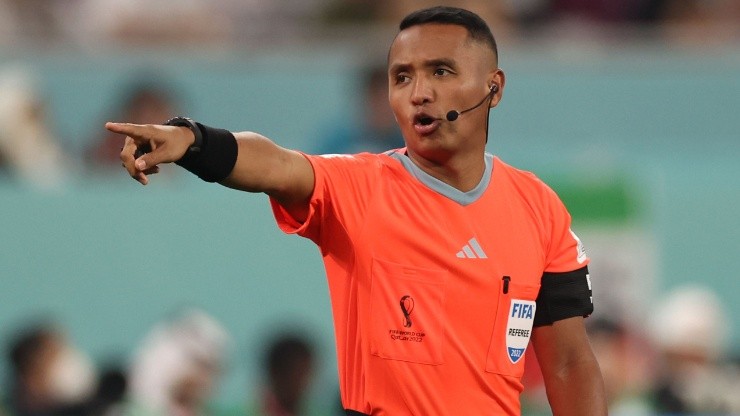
<point x="462" y="198"/>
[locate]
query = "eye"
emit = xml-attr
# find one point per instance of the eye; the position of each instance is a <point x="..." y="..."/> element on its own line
<point x="402" y="78"/>
<point x="441" y="72"/>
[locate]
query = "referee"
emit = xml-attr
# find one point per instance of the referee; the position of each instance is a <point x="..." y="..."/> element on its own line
<point x="443" y="262"/>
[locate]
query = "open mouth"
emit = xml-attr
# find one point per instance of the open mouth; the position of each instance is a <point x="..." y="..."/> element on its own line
<point x="424" y="124"/>
<point x="423" y="119"/>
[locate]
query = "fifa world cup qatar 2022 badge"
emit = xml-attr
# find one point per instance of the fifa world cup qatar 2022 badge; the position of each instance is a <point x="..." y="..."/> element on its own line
<point x="407" y="305"/>
<point x="519" y="328"/>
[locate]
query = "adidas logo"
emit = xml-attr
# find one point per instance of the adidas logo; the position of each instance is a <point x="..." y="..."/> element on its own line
<point x="472" y="250"/>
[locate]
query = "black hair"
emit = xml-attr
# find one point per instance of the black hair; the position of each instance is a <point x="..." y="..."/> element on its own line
<point x="26" y="346"/>
<point x="475" y="25"/>
<point x="285" y="353"/>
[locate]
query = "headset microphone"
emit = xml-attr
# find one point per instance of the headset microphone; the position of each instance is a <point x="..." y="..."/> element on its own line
<point x="452" y="115"/>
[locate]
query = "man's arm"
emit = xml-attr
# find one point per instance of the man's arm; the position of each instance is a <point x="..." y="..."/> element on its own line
<point x="572" y="376"/>
<point x="261" y="165"/>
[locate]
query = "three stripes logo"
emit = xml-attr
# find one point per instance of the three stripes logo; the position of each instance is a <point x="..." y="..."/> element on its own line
<point x="472" y="250"/>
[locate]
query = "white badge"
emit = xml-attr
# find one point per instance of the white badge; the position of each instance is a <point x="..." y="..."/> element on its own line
<point x="519" y="328"/>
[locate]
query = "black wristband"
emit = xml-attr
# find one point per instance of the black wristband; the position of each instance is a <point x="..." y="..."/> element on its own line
<point x="212" y="155"/>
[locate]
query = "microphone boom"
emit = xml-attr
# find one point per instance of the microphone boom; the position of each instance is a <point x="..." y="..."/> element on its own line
<point x="452" y="115"/>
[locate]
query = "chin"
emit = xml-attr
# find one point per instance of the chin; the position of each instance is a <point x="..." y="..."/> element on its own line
<point x="433" y="149"/>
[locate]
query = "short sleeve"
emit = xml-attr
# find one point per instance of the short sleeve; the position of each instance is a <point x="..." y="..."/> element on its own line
<point x="343" y="184"/>
<point x="565" y="251"/>
<point x="565" y="289"/>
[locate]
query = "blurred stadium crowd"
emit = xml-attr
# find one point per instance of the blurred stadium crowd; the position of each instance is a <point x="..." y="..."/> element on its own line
<point x="100" y="23"/>
<point x="174" y="371"/>
<point x="679" y="363"/>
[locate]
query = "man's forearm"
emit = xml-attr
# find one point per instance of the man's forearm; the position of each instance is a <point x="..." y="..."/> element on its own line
<point x="577" y="389"/>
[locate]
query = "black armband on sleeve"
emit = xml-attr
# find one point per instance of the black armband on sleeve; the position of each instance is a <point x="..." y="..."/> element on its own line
<point x="213" y="155"/>
<point x="563" y="295"/>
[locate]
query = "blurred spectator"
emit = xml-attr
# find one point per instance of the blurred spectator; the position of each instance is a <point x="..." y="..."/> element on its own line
<point x="144" y="102"/>
<point x="700" y="23"/>
<point x="614" y="11"/>
<point x="145" y="22"/>
<point x="624" y="358"/>
<point x="289" y="364"/>
<point x="357" y="12"/>
<point x="177" y="367"/>
<point x="110" y="394"/>
<point x="27" y="146"/>
<point x="575" y="22"/>
<point x="40" y="22"/>
<point x="209" y="22"/>
<point x="690" y="331"/>
<point x="497" y="13"/>
<point x="375" y="129"/>
<point x="257" y="23"/>
<point x="679" y="22"/>
<point x="48" y="375"/>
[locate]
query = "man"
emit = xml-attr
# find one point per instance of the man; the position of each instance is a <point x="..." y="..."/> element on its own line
<point x="442" y="261"/>
<point x="49" y="376"/>
<point x="177" y="366"/>
<point x="288" y="366"/>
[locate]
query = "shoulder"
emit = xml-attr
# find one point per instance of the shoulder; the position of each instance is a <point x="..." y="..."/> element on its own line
<point x="349" y="176"/>
<point x="523" y="181"/>
<point x="357" y="163"/>
<point x="348" y="158"/>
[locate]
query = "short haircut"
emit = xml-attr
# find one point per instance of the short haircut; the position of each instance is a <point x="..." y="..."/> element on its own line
<point x="287" y="353"/>
<point x="27" y="345"/>
<point x="476" y="27"/>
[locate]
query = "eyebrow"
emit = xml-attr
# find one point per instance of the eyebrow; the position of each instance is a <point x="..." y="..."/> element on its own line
<point x="430" y="63"/>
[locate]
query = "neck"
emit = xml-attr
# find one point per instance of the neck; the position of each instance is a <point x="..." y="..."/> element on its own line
<point x="461" y="171"/>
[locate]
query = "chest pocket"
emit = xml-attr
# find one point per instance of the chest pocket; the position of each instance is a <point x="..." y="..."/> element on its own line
<point x="512" y="328"/>
<point x="407" y="309"/>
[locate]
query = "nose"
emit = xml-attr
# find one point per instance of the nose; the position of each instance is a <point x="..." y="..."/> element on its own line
<point x="421" y="92"/>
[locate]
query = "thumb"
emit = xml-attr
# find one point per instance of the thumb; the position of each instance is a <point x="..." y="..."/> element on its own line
<point x="141" y="163"/>
<point x="154" y="155"/>
<point x="148" y="160"/>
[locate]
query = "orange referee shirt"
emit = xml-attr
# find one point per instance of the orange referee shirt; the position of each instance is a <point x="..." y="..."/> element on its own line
<point x="433" y="290"/>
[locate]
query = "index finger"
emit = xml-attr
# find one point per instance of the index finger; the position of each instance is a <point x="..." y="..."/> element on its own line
<point x="135" y="131"/>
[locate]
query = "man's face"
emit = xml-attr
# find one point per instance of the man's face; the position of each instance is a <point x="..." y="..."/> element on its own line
<point x="435" y="68"/>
